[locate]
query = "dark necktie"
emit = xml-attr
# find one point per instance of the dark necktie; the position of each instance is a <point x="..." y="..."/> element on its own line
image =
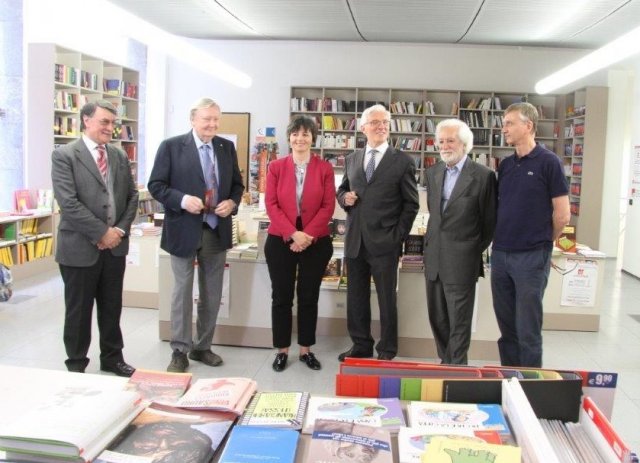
<point x="371" y="165"/>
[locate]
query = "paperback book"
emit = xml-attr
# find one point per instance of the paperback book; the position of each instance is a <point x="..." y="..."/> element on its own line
<point x="413" y="442"/>
<point x="221" y="394"/>
<point x="276" y="409"/>
<point x="170" y="435"/>
<point x="446" y="450"/>
<point x="384" y="413"/>
<point x="159" y="386"/>
<point x="457" y="416"/>
<point x="336" y="441"/>
<point x="248" y="444"/>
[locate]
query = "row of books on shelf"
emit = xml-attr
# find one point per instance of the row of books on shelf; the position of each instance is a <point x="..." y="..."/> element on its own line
<point x="65" y="126"/>
<point x="123" y="132"/>
<point x="575" y="111"/>
<point x="573" y="149"/>
<point x="335" y="123"/>
<point x="157" y="414"/>
<point x="68" y="101"/>
<point x="335" y="140"/>
<point x="70" y="75"/>
<point x="120" y="88"/>
<point x="406" y="125"/>
<point x="574" y="130"/>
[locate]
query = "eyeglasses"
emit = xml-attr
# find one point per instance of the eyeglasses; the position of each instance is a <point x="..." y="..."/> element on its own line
<point x="376" y="123"/>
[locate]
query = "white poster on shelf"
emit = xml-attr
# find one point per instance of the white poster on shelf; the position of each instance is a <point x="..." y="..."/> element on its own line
<point x="579" y="283"/>
<point x="133" y="258"/>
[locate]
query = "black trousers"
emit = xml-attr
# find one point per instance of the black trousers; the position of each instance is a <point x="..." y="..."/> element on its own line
<point x="102" y="283"/>
<point x="299" y="272"/>
<point x="384" y="271"/>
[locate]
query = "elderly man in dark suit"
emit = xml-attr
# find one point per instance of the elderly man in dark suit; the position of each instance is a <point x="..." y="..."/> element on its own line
<point x="461" y="196"/>
<point x="197" y="179"/>
<point x="98" y="201"/>
<point x="380" y="196"/>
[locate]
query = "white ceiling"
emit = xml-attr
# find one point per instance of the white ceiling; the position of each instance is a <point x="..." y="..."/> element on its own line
<point x="551" y="23"/>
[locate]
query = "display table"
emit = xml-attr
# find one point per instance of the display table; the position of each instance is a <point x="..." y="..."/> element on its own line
<point x="248" y="321"/>
<point x="140" y="285"/>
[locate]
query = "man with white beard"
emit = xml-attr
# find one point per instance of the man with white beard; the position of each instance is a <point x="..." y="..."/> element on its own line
<point x="461" y="197"/>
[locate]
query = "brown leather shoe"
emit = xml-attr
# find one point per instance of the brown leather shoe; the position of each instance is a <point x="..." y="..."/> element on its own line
<point x="206" y="356"/>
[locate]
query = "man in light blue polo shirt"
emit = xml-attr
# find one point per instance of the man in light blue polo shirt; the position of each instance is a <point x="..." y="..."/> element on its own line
<point x="533" y="208"/>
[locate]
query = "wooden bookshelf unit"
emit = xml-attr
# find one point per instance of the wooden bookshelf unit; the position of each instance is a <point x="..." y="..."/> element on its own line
<point x="414" y="116"/>
<point x="70" y="79"/>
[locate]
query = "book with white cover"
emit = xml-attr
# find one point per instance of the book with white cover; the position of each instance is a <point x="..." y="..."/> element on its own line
<point x="59" y="414"/>
<point x="385" y="413"/>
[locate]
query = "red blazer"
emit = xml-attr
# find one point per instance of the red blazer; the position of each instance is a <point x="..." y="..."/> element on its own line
<point x="318" y="197"/>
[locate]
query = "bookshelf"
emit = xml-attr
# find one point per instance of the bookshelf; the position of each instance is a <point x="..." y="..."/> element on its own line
<point x="414" y="116"/>
<point x="27" y="243"/>
<point x="70" y="79"/>
<point x="585" y="125"/>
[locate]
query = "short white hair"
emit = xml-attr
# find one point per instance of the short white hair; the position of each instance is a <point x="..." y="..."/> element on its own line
<point x="465" y="135"/>
<point x="374" y="109"/>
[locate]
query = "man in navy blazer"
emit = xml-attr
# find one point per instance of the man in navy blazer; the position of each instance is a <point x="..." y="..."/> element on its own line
<point x="380" y="196"/>
<point x="462" y="197"/>
<point x="98" y="201"/>
<point x="197" y="179"/>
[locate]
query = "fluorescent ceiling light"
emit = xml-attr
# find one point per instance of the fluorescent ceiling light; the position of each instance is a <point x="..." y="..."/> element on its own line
<point x="615" y="51"/>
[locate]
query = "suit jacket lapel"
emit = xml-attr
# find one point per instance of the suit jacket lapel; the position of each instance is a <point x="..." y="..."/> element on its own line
<point x="85" y="158"/>
<point x="190" y="151"/>
<point x="439" y="183"/>
<point x="358" y="160"/>
<point x="463" y="182"/>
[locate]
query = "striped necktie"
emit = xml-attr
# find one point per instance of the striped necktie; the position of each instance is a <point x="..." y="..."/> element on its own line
<point x="102" y="162"/>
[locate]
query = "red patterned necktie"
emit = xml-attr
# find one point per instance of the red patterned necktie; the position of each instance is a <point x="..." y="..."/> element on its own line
<point x="102" y="161"/>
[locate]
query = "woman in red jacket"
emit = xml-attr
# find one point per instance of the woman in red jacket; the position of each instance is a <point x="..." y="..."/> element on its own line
<point x="300" y="200"/>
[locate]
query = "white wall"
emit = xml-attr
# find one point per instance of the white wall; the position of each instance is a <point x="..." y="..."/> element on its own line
<point x="631" y="252"/>
<point x="276" y="66"/>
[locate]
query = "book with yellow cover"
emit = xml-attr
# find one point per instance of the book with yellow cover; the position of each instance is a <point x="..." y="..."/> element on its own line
<point x="445" y="450"/>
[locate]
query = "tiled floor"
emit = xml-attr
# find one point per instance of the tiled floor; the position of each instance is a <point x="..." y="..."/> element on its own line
<point x="31" y="335"/>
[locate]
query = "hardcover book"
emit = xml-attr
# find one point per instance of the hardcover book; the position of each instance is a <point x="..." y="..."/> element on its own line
<point x="457" y="416"/>
<point x="336" y="441"/>
<point x="159" y="386"/>
<point x="221" y="394"/>
<point x="413" y="442"/>
<point x="276" y="409"/>
<point x="60" y="415"/>
<point x="248" y="444"/>
<point x="171" y="435"/>
<point x="384" y="413"/>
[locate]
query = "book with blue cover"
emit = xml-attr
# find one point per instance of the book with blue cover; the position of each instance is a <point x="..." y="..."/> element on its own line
<point x="248" y="444"/>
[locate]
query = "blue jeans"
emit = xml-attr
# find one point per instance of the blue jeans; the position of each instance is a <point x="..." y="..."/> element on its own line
<point x="518" y="281"/>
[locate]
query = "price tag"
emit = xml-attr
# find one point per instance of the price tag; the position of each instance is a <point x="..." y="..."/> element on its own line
<point x="596" y="379"/>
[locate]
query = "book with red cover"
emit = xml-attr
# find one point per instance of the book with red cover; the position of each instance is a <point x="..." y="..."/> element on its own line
<point x="602" y="434"/>
<point x="22" y="201"/>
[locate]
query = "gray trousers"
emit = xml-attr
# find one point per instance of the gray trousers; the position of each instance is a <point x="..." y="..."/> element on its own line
<point x="211" y="258"/>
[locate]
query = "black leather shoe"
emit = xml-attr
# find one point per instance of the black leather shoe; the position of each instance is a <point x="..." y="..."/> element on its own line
<point x="119" y="368"/>
<point x="311" y="361"/>
<point x="386" y="356"/>
<point x="75" y="369"/>
<point x="280" y="363"/>
<point x="353" y="352"/>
